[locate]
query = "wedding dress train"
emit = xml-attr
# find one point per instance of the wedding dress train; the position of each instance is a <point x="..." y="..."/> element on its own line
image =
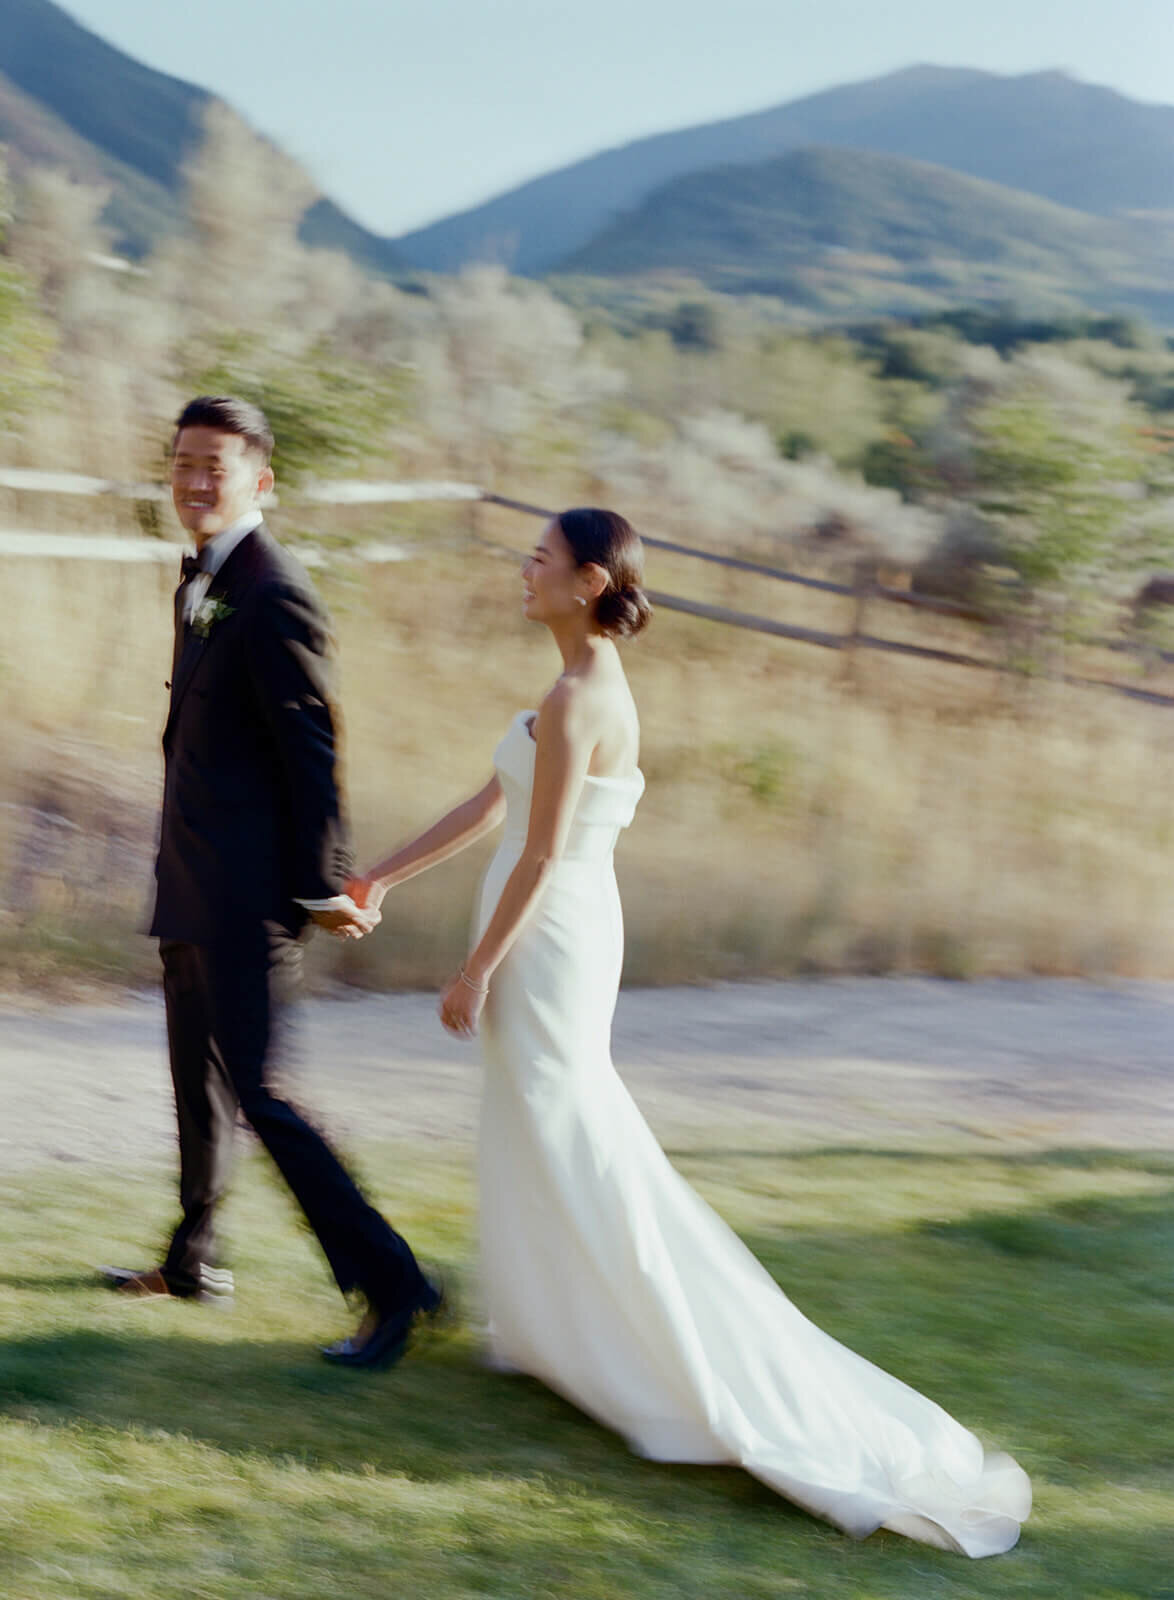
<point x="607" y="1277"/>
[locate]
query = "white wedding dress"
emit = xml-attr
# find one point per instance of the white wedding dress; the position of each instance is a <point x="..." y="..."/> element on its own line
<point x="609" y="1279"/>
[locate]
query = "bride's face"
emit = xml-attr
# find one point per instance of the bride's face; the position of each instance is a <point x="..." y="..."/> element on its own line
<point x="551" y="582"/>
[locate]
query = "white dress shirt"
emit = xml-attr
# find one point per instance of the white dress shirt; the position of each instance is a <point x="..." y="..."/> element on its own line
<point x="212" y="557"/>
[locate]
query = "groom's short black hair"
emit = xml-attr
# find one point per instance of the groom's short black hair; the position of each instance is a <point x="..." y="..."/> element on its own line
<point x="230" y="415"/>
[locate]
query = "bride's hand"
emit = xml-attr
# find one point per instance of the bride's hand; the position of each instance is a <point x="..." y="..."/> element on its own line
<point x="367" y="893"/>
<point x="461" y="1007"/>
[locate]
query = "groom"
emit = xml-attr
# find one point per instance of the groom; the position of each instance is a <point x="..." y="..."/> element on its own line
<point x="253" y="847"/>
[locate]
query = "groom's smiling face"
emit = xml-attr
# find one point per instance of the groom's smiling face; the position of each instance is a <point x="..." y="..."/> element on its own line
<point x="216" y="477"/>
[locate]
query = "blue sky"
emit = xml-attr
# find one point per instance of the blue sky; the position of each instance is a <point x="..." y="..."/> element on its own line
<point x="407" y="110"/>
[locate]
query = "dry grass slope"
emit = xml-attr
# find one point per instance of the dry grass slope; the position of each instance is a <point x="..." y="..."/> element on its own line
<point x="802" y="814"/>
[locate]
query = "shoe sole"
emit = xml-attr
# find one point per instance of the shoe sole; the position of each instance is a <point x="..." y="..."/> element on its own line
<point x="124" y="1281"/>
<point x="367" y="1360"/>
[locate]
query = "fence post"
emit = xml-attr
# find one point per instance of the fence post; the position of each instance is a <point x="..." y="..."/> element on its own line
<point x="863" y="587"/>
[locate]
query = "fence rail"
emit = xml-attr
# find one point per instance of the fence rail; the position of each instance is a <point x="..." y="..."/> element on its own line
<point x="30" y="481"/>
<point x="348" y="492"/>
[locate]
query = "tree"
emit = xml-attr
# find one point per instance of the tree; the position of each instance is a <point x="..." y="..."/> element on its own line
<point x="56" y="234"/>
<point x="1061" y="472"/>
<point x="328" y="414"/>
<point x="505" y="384"/>
<point x="299" y="332"/>
<point x="238" y="265"/>
<point x="695" y="325"/>
<point x="719" y="481"/>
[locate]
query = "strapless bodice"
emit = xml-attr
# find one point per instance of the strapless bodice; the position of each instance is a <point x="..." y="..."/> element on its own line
<point x="604" y="807"/>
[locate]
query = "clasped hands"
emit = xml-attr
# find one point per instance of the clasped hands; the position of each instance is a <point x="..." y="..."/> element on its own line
<point x="461" y="1002"/>
<point x="356" y="919"/>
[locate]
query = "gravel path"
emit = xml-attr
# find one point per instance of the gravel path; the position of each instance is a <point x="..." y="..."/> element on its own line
<point x="890" y="1063"/>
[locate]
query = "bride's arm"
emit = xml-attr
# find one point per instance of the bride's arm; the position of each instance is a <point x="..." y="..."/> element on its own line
<point x="565" y="741"/>
<point x="456" y="830"/>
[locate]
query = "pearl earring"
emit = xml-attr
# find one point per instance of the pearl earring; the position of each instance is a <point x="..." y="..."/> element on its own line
<point x="579" y="600"/>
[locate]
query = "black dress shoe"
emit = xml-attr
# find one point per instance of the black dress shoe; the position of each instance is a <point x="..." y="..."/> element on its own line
<point x="382" y="1340"/>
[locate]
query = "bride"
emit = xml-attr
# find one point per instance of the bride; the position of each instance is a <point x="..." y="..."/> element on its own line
<point x="604" y="1274"/>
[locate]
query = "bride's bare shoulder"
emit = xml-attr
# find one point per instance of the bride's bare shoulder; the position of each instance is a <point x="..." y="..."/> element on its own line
<point x="582" y="710"/>
<point x="596" y="718"/>
<point x="566" y="705"/>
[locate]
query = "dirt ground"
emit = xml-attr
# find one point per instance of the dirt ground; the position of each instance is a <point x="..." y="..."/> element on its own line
<point x="884" y="1063"/>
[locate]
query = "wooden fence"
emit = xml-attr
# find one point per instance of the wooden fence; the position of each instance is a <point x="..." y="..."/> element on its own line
<point x="349" y="492"/>
<point x="862" y="594"/>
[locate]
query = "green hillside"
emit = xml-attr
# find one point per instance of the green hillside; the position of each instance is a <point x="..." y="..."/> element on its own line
<point x="32" y="135"/>
<point x="1046" y="133"/>
<point x="68" y="99"/>
<point x="137" y="116"/>
<point x="833" y="228"/>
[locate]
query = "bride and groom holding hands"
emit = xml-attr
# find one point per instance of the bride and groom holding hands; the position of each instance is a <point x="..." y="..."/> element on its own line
<point x="604" y="1275"/>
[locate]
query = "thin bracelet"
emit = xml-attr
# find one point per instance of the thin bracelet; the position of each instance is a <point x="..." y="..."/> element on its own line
<point x="476" y="988"/>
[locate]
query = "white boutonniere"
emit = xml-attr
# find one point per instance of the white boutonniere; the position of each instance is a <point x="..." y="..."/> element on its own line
<point x="211" y="610"/>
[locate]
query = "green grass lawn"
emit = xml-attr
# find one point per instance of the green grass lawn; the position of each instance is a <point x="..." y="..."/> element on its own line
<point x="157" y="1450"/>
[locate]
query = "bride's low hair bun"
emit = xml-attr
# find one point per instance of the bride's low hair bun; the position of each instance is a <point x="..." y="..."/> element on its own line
<point x="605" y="539"/>
<point x="623" y="612"/>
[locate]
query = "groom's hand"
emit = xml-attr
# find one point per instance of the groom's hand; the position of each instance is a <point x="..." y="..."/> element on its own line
<point x="347" y="920"/>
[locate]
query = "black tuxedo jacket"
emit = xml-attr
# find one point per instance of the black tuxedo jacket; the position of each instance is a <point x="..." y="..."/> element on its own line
<point x="252" y="819"/>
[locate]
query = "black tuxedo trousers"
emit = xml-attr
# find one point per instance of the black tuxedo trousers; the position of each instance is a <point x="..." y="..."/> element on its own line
<point x="228" y="1020"/>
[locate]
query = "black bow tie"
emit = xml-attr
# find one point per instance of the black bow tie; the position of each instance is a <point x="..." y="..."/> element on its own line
<point x="188" y="568"/>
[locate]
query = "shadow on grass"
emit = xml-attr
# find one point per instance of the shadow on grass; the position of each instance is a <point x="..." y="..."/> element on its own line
<point x="1119" y="1236"/>
<point x="1062" y="1301"/>
<point x="1044" y="1327"/>
<point x="438" y="1416"/>
<point x="440" y="1419"/>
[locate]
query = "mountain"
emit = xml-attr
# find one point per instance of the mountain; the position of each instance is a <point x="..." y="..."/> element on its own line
<point x="69" y="99"/>
<point x="1077" y="144"/>
<point x="837" y="228"/>
<point x="822" y="198"/>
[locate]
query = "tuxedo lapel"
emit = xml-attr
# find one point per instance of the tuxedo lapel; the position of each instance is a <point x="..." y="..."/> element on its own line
<point x="239" y="570"/>
<point x="229" y="584"/>
<point x="177" y="647"/>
